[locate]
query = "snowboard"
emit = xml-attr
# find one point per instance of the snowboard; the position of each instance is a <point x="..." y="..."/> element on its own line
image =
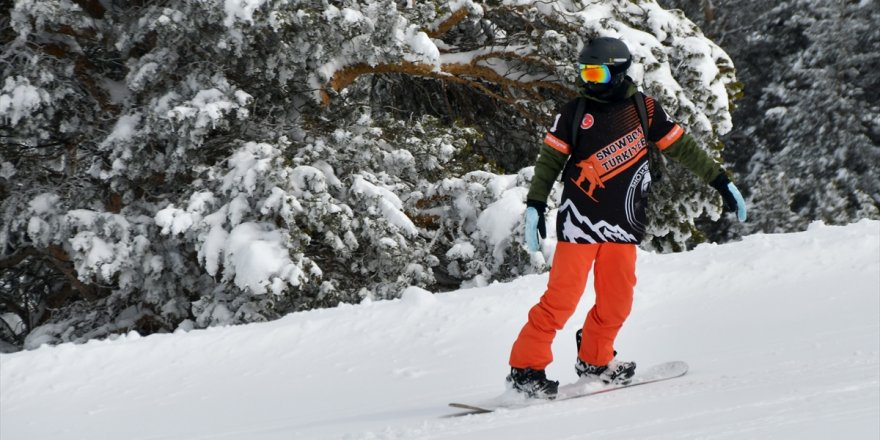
<point x="581" y="388"/>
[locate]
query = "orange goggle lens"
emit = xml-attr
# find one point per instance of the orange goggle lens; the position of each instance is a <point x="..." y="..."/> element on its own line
<point x="595" y="73"/>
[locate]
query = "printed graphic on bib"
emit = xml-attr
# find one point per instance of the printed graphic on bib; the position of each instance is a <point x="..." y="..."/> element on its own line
<point x="608" y="162"/>
<point x="555" y="123"/>
<point x="636" y="198"/>
<point x="578" y="228"/>
<point x="590" y="174"/>
<point x="588" y="121"/>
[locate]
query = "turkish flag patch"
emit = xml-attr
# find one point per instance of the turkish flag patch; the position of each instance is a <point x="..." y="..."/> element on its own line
<point x="587" y="122"/>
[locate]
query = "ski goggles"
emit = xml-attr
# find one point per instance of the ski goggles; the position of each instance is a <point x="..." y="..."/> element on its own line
<point x="595" y="73"/>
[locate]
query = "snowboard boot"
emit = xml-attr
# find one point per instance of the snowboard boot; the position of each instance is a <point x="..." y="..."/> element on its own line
<point x="616" y="372"/>
<point x="532" y="383"/>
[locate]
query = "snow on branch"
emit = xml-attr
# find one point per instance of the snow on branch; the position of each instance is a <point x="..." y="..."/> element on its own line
<point x="450" y="22"/>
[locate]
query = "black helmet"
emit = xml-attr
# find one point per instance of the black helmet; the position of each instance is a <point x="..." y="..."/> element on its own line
<point x="610" y="52"/>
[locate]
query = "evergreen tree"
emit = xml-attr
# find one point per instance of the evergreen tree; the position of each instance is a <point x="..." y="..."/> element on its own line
<point x="806" y="141"/>
<point x="187" y="164"/>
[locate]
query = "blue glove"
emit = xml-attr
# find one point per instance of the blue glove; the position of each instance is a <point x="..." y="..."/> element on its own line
<point x="535" y="227"/>
<point x="730" y="195"/>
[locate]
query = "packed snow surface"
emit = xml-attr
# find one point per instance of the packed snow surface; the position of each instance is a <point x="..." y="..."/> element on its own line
<point x="782" y="334"/>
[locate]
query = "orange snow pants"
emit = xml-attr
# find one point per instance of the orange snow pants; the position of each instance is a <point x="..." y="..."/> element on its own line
<point x="615" y="278"/>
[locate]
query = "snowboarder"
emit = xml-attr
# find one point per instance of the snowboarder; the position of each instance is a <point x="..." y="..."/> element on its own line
<point x="602" y="233"/>
<point x="589" y="173"/>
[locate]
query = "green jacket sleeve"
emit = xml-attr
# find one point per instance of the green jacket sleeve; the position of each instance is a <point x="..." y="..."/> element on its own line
<point x="547" y="168"/>
<point x="686" y="152"/>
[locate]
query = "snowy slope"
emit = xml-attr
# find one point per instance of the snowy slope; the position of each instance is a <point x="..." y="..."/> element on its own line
<point x="782" y="333"/>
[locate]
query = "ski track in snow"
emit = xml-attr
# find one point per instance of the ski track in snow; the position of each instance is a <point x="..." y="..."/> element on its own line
<point x="782" y="334"/>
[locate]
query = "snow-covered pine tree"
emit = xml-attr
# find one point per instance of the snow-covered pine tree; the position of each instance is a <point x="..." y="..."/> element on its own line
<point x="188" y="164"/>
<point x="807" y="140"/>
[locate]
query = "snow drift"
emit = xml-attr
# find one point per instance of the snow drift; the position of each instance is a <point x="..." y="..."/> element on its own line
<point x="782" y="333"/>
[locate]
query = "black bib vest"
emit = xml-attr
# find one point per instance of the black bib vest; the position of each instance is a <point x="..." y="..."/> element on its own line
<point x="606" y="180"/>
